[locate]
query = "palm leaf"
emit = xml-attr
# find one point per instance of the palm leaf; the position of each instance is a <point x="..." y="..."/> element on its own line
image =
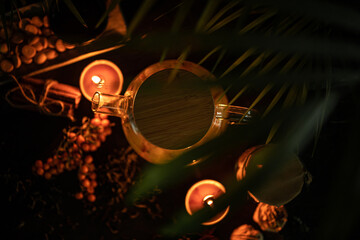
<point x="206" y="14"/>
<point x="257" y="22"/>
<point x="226" y="20"/>
<point x="209" y="54"/>
<point x="219" y="14"/>
<point x="75" y="12"/>
<point x="238" y="61"/>
<point x="106" y="13"/>
<point x="144" y="8"/>
<point x="218" y="60"/>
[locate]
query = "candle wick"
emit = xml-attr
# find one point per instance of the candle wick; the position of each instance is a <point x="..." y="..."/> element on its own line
<point x="209" y="200"/>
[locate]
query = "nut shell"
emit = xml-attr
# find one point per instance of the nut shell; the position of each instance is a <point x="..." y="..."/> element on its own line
<point x="270" y="218"/>
<point x="246" y="232"/>
<point x="6" y="66"/>
<point x="28" y="51"/>
<point x="31" y="29"/>
<point x="40" y="58"/>
<point x="59" y="45"/>
<point x="26" y="60"/>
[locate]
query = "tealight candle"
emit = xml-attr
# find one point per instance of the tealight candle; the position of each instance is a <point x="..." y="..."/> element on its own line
<point x="101" y="76"/>
<point x="203" y="194"/>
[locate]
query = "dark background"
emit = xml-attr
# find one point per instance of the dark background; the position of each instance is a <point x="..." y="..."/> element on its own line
<point x="325" y="209"/>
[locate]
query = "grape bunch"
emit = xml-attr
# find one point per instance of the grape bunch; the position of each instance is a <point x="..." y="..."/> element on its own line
<point x="87" y="177"/>
<point x="70" y="154"/>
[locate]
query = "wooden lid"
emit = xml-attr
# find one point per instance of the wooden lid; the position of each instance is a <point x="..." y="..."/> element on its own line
<point x="173" y="112"/>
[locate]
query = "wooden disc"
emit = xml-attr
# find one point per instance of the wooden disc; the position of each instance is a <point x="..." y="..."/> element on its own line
<point x="173" y="113"/>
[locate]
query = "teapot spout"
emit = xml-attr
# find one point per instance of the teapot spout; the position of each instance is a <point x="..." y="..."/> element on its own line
<point x="114" y="105"/>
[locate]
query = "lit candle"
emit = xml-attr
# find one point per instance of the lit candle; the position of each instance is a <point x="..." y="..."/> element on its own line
<point x="101" y="75"/>
<point x="204" y="194"/>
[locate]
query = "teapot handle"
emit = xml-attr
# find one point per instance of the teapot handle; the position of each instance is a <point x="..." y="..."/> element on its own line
<point x="234" y="115"/>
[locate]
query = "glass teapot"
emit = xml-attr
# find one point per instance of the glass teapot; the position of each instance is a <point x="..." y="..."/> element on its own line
<point x="171" y="107"/>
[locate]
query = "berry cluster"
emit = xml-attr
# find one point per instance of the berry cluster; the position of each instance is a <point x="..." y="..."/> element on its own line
<point x="87" y="177"/>
<point x="70" y="154"/>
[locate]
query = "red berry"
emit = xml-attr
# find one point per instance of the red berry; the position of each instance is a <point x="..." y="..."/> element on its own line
<point x="81" y="176"/>
<point x="88" y="159"/>
<point x="75" y="147"/>
<point x="105" y="122"/>
<point x="92" y="176"/>
<point x="72" y="136"/>
<point x="40" y="171"/>
<point x="103" y="116"/>
<point x="108" y="131"/>
<point x="38" y="163"/>
<point x="86" y="183"/>
<point x="61" y="166"/>
<point x="91" y="198"/>
<point x="93" y="184"/>
<point x="95" y="121"/>
<point x="85" y="147"/>
<point x="47" y="175"/>
<point x="91" y="167"/>
<point x="93" y="147"/>
<point x="90" y="189"/>
<point x="102" y="137"/>
<point x="100" y="129"/>
<point x="80" y="139"/>
<point x="79" y="195"/>
<point x="84" y="169"/>
<point x="46" y="166"/>
<point x="49" y="161"/>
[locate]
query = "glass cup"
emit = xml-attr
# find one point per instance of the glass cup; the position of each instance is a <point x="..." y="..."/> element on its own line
<point x="169" y="108"/>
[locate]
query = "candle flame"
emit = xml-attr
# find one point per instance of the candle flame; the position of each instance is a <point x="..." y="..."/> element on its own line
<point x="96" y="79"/>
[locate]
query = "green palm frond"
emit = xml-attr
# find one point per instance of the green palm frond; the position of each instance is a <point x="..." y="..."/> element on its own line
<point x="143" y="9"/>
<point x="75" y="12"/>
<point x="278" y="51"/>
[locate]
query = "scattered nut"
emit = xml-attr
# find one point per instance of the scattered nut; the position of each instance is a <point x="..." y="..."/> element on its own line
<point x="23" y="22"/>
<point x="34" y="40"/>
<point x="50" y="53"/>
<point x="38" y="46"/>
<point x="40" y="58"/>
<point x="59" y="45"/>
<point x="31" y="29"/>
<point x="6" y="65"/>
<point x="46" y="21"/>
<point x="28" y="51"/>
<point x="26" y="60"/>
<point x="69" y="45"/>
<point x="36" y="21"/>
<point x="44" y="42"/>
<point x="4" y="48"/>
<point x="31" y="40"/>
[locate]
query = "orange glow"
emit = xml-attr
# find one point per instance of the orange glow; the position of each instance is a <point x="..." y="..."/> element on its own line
<point x="100" y="74"/>
<point x="205" y="193"/>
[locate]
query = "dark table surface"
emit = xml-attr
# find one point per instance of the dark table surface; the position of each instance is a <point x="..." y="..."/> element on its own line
<point x="56" y="214"/>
